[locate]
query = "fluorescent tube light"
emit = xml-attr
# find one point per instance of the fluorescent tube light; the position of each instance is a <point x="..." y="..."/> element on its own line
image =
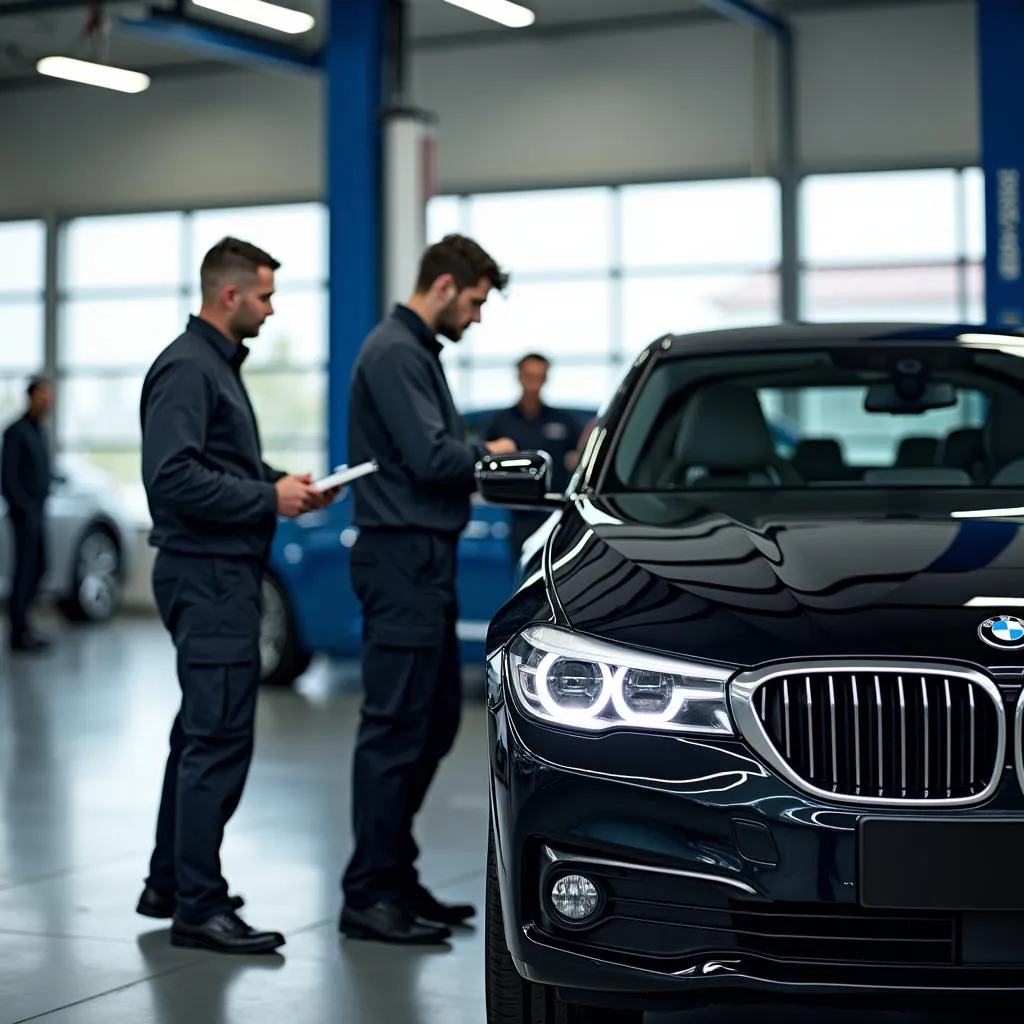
<point x="995" y="602"/>
<point x="988" y="513"/>
<point x="502" y="11"/>
<point x="88" y="73"/>
<point x="259" y="12"/>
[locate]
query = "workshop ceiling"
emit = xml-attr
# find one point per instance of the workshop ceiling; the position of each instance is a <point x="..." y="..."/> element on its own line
<point x="30" y="29"/>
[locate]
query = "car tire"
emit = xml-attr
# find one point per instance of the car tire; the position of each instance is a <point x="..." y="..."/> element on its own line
<point x="511" y="999"/>
<point x="96" y="583"/>
<point x="282" y="659"/>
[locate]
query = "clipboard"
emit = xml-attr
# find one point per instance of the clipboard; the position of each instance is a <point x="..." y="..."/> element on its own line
<point x="344" y="475"/>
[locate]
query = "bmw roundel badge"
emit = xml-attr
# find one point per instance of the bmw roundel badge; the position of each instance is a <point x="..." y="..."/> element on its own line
<point x="1005" y="631"/>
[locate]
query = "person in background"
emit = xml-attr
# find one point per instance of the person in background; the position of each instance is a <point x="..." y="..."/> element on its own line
<point x="409" y="516"/>
<point x="25" y="479"/>
<point x="214" y="503"/>
<point x="537" y="427"/>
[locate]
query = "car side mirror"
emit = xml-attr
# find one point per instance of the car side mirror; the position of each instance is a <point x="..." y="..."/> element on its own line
<point x="517" y="480"/>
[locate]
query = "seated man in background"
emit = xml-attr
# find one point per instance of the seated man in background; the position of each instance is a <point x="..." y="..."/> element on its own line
<point x="537" y="427"/>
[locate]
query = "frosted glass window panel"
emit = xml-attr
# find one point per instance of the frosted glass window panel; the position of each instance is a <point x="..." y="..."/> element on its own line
<point x="886" y="217"/>
<point x="12" y="399"/>
<point x="974" y="213"/>
<point x="586" y="386"/>
<point x="99" y="411"/>
<point x="454" y="374"/>
<point x="444" y="216"/>
<point x="701" y="224"/>
<point x="21" y="336"/>
<point x="304" y="458"/>
<point x="573" y="385"/>
<point x="560" y="230"/>
<point x="289" y="406"/>
<point x="554" y="318"/>
<point x="654" y="306"/>
<point x="975" y="293"/>
<point x="22" y="256"/>
<point x="117" y="333"/>
<point x="926" y="294"/>
<point x="296" y="334"/>
<point x="295" y="234"/>
<point x="123" y="251"/>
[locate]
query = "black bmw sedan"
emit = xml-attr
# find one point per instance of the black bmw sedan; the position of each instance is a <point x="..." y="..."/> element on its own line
<point x="755" y="709"/>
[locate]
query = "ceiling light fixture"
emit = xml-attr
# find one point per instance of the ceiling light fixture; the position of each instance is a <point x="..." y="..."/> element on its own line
<point x="259" y="12"/>
<point x="502" y="11"/>
<point x="88" y="73"/>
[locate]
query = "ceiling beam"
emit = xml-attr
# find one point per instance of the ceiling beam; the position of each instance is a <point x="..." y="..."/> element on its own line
<point x="205" y="40"/>
<point x="29" y="8"/>
<point x="749" y="13"/>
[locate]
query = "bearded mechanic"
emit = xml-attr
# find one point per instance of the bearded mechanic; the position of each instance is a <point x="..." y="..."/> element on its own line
<point x="409" y="516"/>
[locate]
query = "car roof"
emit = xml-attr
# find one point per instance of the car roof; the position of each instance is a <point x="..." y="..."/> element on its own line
<point x="798" y="335"/>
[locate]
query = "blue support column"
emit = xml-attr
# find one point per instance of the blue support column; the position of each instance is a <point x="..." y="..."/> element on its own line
<point x="353" y="67"/>
<point x="1000" y="38"/>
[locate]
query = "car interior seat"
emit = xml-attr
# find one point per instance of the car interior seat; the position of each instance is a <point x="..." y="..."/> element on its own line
<point x="1003" y="442"/>
<point x="917" y="452"/>
<point x="820" y="458"/>
<point x="963" y="449"/>
<point x="723" y="439"/>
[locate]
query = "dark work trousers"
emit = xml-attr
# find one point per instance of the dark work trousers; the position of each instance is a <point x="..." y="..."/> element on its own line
<point x="29" y="537"/>
<point x="211" y="607"/>
<point x="412" y="701"/>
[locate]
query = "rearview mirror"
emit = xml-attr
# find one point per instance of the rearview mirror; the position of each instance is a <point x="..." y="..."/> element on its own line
<point x="517" y="480"/>
<point x="909" y="396"/>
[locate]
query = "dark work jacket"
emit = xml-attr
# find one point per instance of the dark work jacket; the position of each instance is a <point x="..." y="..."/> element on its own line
<point x="555" y="431"/>
<point x="208" y="488"/>
<point x="25" y="473"/>
<point x="401" y="413"/>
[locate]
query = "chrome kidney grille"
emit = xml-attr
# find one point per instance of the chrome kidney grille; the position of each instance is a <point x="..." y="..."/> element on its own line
<point x="878" y="734"/>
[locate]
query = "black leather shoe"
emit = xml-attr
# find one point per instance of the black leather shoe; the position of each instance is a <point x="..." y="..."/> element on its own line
<point x="424" y="905"/>
<point x="162" y="905"/>
<point x="225" y="933"/>
<point x="389" y="922"/>
<point x="29" y="643"/>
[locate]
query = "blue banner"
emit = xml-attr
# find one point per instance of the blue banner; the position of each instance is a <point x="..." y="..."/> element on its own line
<point x="1001" y="94"/>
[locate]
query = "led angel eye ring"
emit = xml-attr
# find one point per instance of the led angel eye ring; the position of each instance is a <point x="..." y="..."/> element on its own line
<point x="628" y="714"/>
<point x="571" y="714"/>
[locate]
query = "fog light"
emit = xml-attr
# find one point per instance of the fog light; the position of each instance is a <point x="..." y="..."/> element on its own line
<point x="574" y="897"/>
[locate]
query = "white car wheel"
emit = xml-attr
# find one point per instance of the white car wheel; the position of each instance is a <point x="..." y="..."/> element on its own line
<point x="97" y="581"/>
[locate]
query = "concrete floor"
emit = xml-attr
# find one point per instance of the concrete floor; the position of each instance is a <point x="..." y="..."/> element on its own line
<point x="82" y="745"/>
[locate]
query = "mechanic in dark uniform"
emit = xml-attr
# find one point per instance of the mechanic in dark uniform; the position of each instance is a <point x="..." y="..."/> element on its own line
<point x="25" y="478"/>
<point x="214" y="504"/>
<point x="537" y="427"/>
<point x="409" y="516"/>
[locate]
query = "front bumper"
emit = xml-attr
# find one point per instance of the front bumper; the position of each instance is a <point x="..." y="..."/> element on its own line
<point x="718" y="881"/>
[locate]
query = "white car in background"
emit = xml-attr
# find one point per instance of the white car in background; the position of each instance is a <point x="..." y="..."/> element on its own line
<point x="90" y="543"/>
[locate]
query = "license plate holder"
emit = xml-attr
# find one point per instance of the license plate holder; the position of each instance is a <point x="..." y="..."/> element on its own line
<point x="924" y="863"/>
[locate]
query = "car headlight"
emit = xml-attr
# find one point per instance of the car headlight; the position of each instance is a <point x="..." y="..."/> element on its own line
<point x="568" y="679"/>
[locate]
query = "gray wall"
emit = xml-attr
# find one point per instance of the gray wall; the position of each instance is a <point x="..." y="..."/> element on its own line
<point x="882" y="86"/>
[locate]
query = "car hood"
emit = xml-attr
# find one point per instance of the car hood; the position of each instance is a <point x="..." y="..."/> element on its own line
<point x="754" y="577"/>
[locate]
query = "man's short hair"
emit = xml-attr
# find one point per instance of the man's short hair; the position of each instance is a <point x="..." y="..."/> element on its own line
<point x="533" y="356"/>
<point x="231" y="258"/>
<point x="35" y="383"/>
<point x="464" y="259"/>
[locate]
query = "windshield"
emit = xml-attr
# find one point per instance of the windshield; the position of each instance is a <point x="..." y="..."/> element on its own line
<point x="907" y="416"/>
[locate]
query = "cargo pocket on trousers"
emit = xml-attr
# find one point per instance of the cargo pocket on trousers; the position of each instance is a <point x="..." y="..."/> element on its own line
<point x="220" y="686"/>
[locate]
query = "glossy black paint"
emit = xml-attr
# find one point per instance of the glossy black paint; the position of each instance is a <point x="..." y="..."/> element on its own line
<point x="753" y="577"/>
<point x="743" y="579"/>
